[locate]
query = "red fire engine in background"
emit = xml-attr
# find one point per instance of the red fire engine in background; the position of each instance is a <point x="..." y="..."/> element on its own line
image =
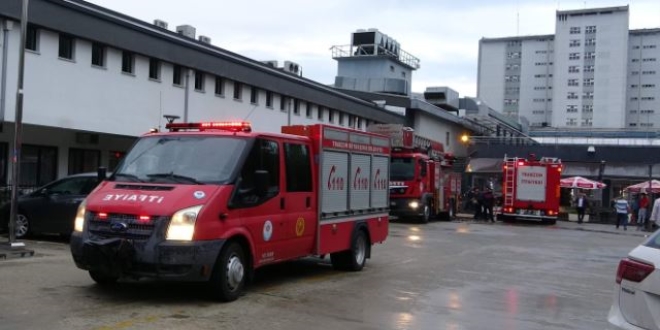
<point x="530" y="189"/>
<point x="422" y="184"/>
<point x="214" y="201"/>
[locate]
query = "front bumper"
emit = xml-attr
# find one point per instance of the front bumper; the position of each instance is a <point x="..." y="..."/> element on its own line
<point x="180" y="261"/>
<point x="400" y="207"/>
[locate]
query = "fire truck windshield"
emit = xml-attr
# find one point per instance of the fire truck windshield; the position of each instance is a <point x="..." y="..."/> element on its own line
<point x="402" y="169"/>
<point x="181" y="159"/>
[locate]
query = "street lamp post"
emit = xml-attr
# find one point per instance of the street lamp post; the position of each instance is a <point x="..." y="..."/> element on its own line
<point x="16" y="159"/>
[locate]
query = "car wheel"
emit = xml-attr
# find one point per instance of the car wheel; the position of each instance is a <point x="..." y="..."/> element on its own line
<point x="102" y="278"/>
<point x="355" y="258"/>
<point x="229" y="273"/>
<point x="22" y="226"/>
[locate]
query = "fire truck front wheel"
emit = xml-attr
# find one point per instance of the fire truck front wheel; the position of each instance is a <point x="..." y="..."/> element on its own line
<point x="229" y="273"/>
<point x="355" y="258"/>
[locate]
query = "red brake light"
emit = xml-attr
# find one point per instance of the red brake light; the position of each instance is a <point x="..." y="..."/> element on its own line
<point x="633" y="271"/>
<point x="103" y="215"/>
<point x="521" y="163"/>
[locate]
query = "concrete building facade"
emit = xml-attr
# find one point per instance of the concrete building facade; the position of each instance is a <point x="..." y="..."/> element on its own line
<point x="580" y="77"/>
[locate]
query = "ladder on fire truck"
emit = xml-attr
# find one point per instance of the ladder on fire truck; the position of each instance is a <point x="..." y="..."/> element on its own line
<point x="509" y="178"/>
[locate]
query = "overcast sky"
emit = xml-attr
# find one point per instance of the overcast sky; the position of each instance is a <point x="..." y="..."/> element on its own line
<point x="444" y="35"/>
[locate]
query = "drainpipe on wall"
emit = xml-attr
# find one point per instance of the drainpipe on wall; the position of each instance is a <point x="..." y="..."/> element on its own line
<point x="7" y="25"/>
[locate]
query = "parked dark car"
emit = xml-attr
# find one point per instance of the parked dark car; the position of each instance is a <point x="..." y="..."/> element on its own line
<point x="51" y="208"/>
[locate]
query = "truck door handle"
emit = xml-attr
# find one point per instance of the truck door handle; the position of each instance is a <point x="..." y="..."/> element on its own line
<point x="308" y="201"/>
<point x="282" y="203"/>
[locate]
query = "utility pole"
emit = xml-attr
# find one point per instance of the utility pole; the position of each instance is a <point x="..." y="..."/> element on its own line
<point x="16" y="158"/>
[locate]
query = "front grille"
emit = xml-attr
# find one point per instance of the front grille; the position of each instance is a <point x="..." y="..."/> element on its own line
<point x="134" y="229"/>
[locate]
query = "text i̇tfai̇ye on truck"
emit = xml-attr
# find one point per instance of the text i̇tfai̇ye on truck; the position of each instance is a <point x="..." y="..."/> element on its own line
<point x="214" y="201"/>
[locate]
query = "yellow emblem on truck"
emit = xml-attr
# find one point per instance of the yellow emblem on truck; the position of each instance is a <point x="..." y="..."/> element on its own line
<point x="300" y="226"/>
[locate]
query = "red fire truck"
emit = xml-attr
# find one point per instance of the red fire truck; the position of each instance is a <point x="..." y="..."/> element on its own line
<point x="530" y="189"/>
<point x="422" y="184"/>
<point x="215" y="201"/>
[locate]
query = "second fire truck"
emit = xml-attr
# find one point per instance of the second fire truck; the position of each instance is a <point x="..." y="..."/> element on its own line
<point x="422" y="185"/>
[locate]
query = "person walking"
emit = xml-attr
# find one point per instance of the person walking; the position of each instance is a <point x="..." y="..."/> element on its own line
<point x="622" y="211"/>
<point x="581" y="204"/>
<point x="488" y="203"/>
<point x="477" y="203"/>
<point x="642" y="218"/>
<point x="654" y="219"/>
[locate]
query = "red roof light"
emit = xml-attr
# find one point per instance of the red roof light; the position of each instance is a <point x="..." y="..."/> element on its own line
<point x="232" y="126"/>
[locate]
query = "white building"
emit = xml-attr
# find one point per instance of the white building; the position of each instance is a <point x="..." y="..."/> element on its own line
<point x="580" y="77"/>
<point x="96" y="79"/>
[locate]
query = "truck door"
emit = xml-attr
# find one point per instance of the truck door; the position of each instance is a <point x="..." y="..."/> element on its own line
<point x="258" y="202"/>
<point x="299" y="212"/>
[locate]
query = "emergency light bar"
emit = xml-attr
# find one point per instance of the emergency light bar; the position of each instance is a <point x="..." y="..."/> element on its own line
<point x="231" y="126"/>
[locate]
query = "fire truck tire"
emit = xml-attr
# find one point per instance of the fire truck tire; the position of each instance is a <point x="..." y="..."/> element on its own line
<point x="355" y="258"/>
<point x="426" y="215"/>
<point x="229" y="273"/>
<point x="102" y="278"/>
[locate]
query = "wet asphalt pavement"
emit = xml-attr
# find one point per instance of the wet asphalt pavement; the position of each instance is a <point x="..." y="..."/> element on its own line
<point x="435" y="276"/>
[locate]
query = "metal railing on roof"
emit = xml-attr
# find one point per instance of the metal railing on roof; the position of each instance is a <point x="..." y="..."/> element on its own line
<point x="598" y="141"/>
<point x="400" y="55"/>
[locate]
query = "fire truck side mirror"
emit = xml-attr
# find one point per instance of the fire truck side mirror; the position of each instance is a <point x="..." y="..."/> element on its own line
<point x="261" y="182"/>
<point x="422" y="169"/>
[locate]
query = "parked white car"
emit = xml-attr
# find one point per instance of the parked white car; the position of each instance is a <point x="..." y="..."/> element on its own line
<point x="636" y="302"/>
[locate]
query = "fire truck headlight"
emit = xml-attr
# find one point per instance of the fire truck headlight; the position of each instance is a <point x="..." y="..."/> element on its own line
<point x="79" y="223"/>
<point x="413" y="204"/>
<point x="182" y="225"/>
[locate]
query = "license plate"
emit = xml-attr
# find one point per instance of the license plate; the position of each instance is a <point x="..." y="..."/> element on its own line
<point x="529" y="212"/>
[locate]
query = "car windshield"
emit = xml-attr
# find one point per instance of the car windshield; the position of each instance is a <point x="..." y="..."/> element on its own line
<point x="187" y="159"/>
<point x="654" y="241"/>
<point x="402" y="169"/>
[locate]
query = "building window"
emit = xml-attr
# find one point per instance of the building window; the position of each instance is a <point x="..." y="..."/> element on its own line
<point x="331" y="116"/>
<point x="588" y="95"/>
<point x="66" y="48"/>
<point x="588" y="82"/>
<point x="283" y="103"/>
<point x="574" y="56"/>
<point x="573" y="69"/>
<point x="177" y="71"/>
<point x="32" y="38"/>
<point x="98" y="54"/>
<point x="574" y="30"/>
<point x="648" y="72"/>
<point x="154" y="69"/>
<point x="635" y="60"/>
<point x="648" y="85"/>
<point x="308" y="110"/>
<point x="590" y="42"/>
<point x="648" y="98"/>
<point x="571" y="108"/>
<point x="513" y="55"/>
<point x="589" y="68"/>
<point x="590" y="29"/>
<point x="83" y="160"/>
<point x="127" y="62"/>
<point x="573" y="82"/>
<point x="572" y="96"/>
<point x="513" y="66"/>
<point x="38" y="165"/>
<point x="199" y="81"/>
<point x="648" y="46"/>
<point x="647" y="111"/>
<point x="590" y="55"/>
<point x="574" y="43"/>
<point x="269" y="99"/>
<point x="219" y="86"/>
<point x="340" y="118"/>
<point x="634" y="86"/>
<point x="540" y="63"/>
<point x="359" y="123"/>
<point x="238" y="90"/>
<point x="635" y="47"/>
<point x="319" y="114"/>
<point x="512" y="78"/>
<point x="254" y="95"/>
<point x="649" y="59"/>
<point x="634" y="98"/>
<point x="633" y="111"/>
<point x="296" y="107"/>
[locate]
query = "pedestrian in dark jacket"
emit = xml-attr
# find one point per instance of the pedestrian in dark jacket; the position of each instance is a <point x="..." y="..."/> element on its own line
<point x="488" y="201"/>
<point x="476" y="202"/>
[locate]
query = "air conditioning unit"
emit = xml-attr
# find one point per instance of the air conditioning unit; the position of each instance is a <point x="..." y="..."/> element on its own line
<point x="291" y="67"/>
<point x="160" y="24"/>
<point x="186" y="30"/>
<point x="204" y="39"/>
<point x="272" y="64"/>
